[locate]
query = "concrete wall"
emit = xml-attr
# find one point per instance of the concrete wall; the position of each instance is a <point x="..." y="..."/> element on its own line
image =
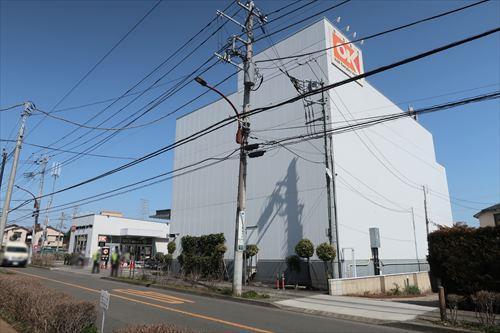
<point x="379" y="284"/>
<point x="380" y="170"/>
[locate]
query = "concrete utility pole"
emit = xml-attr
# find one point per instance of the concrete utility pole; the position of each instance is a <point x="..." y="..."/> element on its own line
<point x="55" y="173"/>
<point x="425" y="210"/>
<point x="61" y="225"/>
<point x="4" y="160"/>
<point x="243" y="132"/>
<point x="28" y="108"/>
<point x="330" y="183"/>
<point x="303" y="86"/>
<point x="415" y="237"/>
<point x="42" y="161"/>
<point x="36" y="212"/>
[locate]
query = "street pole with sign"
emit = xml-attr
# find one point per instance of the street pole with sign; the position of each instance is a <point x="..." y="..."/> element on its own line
<point x="104" y="305"/>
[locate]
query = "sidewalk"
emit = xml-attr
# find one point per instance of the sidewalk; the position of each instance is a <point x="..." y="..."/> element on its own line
<point x="357" y="308"/>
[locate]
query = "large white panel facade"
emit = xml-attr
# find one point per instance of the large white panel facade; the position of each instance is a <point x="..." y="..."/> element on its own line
<point x="380" y="169"/>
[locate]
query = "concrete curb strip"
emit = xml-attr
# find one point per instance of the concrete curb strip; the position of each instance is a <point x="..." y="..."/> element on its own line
<point x="197" y="293"/>
<point x="422" y="327"/>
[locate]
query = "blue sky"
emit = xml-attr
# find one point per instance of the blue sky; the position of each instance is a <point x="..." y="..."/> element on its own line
<point x="46" y="47"/>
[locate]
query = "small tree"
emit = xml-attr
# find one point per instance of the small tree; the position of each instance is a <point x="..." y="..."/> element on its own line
<point x="171" y="247"/>
<point x="293" y="263"/>
<point x="250" y="252"/>
<point x="305" y="249"/>
<point x="326" y="252"/>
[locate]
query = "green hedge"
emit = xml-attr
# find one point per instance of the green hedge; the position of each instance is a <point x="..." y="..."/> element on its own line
<point x="466" y="259"/>
<point x="203" y="256"/>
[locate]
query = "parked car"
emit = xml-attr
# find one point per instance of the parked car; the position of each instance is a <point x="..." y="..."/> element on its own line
<point x="14" y="254"/>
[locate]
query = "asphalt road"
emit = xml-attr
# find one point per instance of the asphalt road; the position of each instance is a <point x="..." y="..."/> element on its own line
<point x="132" y="304"/>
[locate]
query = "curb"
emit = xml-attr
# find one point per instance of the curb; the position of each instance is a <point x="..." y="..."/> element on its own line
<point x="334" y="315"/>
<point x="197" y="293"/>
<point x="42" y="267"/>
<point x="417" y="326"/>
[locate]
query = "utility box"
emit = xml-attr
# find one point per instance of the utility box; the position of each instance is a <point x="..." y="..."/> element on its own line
<point x="374" y="238"/>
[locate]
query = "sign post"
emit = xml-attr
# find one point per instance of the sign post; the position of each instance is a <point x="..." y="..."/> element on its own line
<point x="104" y="305"/>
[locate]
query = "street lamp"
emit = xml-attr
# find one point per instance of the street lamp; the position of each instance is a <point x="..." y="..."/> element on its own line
<point x="245" y="149"/>
<point x="36" y="211"/>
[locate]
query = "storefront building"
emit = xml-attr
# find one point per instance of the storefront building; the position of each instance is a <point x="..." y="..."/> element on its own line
<point x="139" y="238"/>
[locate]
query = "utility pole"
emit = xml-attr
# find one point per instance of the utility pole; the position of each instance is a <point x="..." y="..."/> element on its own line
<point x="303" y="86"/>
<point x="330" y="182"/>
<point x="55" y="173"/>
<point x="61" y="225"/>
<point x="4" y="160"/>
<point x="243" y="131"/>
<point x="415" y="237"/>
<point x="28" y="107"/>
<point x="425" y="210"/>
<point x="42" y="161"/>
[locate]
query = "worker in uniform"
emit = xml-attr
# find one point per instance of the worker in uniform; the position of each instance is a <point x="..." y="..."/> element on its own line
<point x="96" y="259"/>
<point x="115" y="262"/>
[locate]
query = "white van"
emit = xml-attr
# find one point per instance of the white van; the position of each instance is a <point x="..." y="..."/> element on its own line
<point x="14" y="254"/>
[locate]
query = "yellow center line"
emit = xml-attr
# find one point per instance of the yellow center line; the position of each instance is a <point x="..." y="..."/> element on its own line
<point x="187" y="313"/>
<point x="154" y="295"/>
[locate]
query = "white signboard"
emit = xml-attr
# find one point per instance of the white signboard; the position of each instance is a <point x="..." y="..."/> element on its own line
<point x="104" y="300"/>
<point x="241" y="228"/>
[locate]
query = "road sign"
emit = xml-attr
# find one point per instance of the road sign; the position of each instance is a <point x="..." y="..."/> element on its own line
<point x="104" y="300"/>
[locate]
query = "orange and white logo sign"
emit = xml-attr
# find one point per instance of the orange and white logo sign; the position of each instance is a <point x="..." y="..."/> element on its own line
<point x="346" y="56"/>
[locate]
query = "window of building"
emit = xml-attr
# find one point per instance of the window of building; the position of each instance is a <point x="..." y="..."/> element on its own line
<point x="496" y="217"/>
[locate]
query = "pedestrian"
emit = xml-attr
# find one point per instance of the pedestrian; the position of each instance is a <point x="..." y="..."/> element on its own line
<point x="96" y="258"/>
<point x="81" y="258"/>
<point x="115" y="262"/>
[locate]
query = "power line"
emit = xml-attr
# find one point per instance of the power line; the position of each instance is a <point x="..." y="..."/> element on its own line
<point x="231" y="119"/>
<point x="378" y="33"/>
<point x="102" y="59"/>
<point x="11" y="107"/>
<point x="70" y="151"/>
<point x="156" y="179"/>
<point x="171" y="56"/>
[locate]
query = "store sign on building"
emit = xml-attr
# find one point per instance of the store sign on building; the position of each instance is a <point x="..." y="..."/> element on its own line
<point x="102" y="240"/>
<point x="347" y="57"/>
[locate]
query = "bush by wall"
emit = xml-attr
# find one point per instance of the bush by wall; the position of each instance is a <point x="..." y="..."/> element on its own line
<point x="466" y="259"/>
<point x="45" y="259"/>
<point x="202" y="257"/>
<point x="35" y="308"/>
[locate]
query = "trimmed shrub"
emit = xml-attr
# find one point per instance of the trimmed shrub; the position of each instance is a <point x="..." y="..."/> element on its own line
<point x="466" y="259"/>
<point x="202" y="257"/>
<point x="251" y="251"/>
<point x="171" y="247"/>
<point x="35" y="308"/>
<point x="46" y="260"/>
<point x="304" y="248"/>
<point x="155" y="328"/>
<point x="293" y="263"/>
<point x="326" y="252"/>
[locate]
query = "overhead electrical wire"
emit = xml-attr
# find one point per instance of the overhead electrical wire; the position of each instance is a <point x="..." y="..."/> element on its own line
<point x="231" y="119"/>
<point x="156" y="180"/>
<point x="69" y="151"/>
<point x="378" y="34"/>
<point x="102" y="59"/>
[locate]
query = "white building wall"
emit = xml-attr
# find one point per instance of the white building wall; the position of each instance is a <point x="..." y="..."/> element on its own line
<point x="110" y="225"/>
<point x="286" y="195"/>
